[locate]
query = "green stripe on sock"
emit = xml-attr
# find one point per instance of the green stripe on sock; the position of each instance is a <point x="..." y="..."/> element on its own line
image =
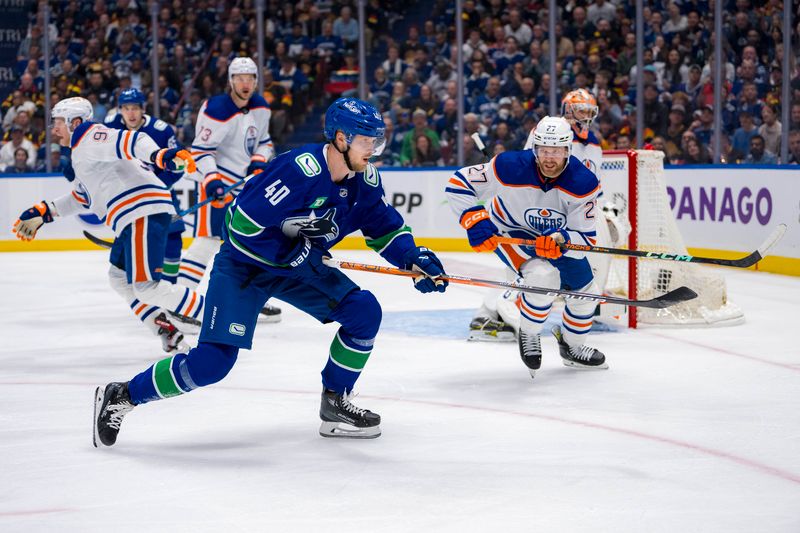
<point x="344" y="356"/>
<point x="165" y="383"/>
<point x="170" y="269"/>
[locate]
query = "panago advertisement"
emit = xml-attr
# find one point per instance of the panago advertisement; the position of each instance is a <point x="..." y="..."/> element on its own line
<point x="721" y="211"/>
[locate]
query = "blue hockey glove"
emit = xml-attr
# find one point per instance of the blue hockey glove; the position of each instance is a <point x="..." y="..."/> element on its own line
<point x="214" y="188"/>
<point x="426" y="262"/>
<point x="30" y="221"/>
<point x="481" y="231"/>
<point x="257" y="165"/>
<point x="305" y="260"/>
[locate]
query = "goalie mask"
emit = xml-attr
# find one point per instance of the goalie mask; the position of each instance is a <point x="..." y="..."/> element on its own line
<point x="581" y="107"/>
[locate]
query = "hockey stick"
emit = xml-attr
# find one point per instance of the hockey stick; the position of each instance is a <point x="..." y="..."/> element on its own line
<point x="480" y="146"/>
<point x="198" y="205"/>
<point x="744" y="262"/>
<point x="681" y="294"/>
<point x="102" y="243"/>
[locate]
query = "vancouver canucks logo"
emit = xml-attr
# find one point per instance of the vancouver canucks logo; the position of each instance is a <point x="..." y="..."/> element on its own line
<point x="312" y="226"/>
<point x="541" y="219"/>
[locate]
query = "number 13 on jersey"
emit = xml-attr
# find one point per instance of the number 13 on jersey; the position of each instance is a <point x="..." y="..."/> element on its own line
<point x="275" y="194"/>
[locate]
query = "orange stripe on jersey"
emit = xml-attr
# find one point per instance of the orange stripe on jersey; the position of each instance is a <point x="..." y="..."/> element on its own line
<point x="512" y="255"/>
<point x="497" y="210"/>
<point x="110" y="216"/>
<point x="79" y="199"/>
<point x="125" y="144"/>
<point x="457" y="183"/>
<point x="565" y="191"/>
<point x="140" y="268"/>
<point x="566" y="319"/>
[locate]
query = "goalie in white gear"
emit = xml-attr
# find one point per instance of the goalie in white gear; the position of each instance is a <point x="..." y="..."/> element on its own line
<point x="231" y="142"/>
<point x="548" y="195"/>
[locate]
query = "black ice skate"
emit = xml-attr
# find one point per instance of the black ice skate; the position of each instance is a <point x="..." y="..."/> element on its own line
<point x="581" y="356"/>
<point x="269" y="314"/>
<point x="342" y="419"/>
<point x="530" y="350"/>
<point x="189" y="325"/>
<point x="111" y="404"/>
<point x="488" y="329"/>
<point x="171" y="337"/>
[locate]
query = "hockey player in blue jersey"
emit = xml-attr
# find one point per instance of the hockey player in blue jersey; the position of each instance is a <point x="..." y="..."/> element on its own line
<point x="130" y="115"/>
<point x="548" y="195"/>
<point x="276" y="236"/>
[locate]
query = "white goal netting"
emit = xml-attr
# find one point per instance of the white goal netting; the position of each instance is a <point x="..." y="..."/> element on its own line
<point x="634" y="182"/>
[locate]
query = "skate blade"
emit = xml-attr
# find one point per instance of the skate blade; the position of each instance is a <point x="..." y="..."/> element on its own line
<point x="98" y="404"/>
<point x="503" y="336"/>
<point x="532" y="372"/>
<point x="573" y="364"/>
<point x="340" y="430"/>
<point x="268" y="319"/>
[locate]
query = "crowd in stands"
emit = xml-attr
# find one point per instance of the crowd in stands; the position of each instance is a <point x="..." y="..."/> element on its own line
<point x="507" y="80"/>
<point x="100" y="48"/>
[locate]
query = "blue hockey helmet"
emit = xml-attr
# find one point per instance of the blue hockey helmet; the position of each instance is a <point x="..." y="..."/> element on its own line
<point x="131" y="96"/>
<point x="354" y="117"/>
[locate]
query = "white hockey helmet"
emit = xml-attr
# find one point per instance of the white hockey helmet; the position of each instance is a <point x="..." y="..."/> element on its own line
<point x="71" y="108"/>
<point x="553" y="131"/>
<point x="242" y="65"/>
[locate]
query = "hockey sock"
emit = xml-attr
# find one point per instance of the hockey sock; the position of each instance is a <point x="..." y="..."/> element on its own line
<point x="575" y="327"/>
<point x="181" y="373"/>
<point x="190" y="273"/>
<point x="346" y="360"/>
<point x="175" y="298"/>
<point x="169" y="272"/>
<point x="145" y="313"/>
<point x="532" y="317"/>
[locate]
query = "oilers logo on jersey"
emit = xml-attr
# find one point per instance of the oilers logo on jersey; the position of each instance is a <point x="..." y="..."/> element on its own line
<point x="541" y="219"/>
<point x="250" y="139"/>
<point x="312" y="227"/>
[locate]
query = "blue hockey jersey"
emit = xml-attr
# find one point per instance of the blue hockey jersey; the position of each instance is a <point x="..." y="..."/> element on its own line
<point x="158" y="130"/>
<point x="296" y="196"/>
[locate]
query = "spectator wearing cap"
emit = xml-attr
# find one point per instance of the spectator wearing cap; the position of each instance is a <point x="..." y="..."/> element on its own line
<point x="702" y="126"/>
<point x="438" y="81"/>
<point x="758" y="154"/>
<point x="675" y="129"/>
<point x="770" y="129"/>
<point x="419" y="120"/>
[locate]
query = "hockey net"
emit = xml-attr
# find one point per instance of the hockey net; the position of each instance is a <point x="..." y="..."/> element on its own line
<point x="635" y="201"/>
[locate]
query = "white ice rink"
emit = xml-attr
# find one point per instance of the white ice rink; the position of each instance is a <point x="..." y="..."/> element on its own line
<point x="688" y="431"/>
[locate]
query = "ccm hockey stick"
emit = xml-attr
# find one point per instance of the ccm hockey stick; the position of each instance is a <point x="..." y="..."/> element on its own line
<point x="681" y="294"/>
<point x="744" y="262"/>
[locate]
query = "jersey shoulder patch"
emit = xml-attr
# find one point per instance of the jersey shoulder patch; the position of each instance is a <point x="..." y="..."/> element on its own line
<point x="220" y="108"/>
<point x="160" y="125"/>
<point x="514" y="167"/>
<point x="371" y="176"/>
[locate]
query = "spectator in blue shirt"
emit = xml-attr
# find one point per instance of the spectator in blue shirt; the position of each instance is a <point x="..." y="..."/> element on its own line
<point x="346" y="27"/>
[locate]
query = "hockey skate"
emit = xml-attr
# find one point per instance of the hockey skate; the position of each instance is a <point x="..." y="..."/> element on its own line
<point x="269" y="314"/>
<point x="582" y="356"/>
<point x="189" y="325"/>
<point x="171" y="337"/>
<point x="111" y="404"/>
<point x="342" y="419"/>
<point x="488" y="329"/>
<point x="530" y="350"/>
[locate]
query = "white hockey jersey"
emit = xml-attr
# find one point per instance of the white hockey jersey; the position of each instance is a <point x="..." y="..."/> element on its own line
<point x="523" y="205"/>
<point x="111" y="177"/>
<point x="227" y="137"/>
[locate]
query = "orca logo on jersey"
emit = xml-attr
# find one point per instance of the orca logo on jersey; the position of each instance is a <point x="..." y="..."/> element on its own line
<point x="250" y="140"/>
<point x="311" y="226"/>
<point x="541" y="219"/>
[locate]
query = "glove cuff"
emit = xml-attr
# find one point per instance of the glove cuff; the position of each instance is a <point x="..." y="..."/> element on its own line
<point x="470" y="218"/>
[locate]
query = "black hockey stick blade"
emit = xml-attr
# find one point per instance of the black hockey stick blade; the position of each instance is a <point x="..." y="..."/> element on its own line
<point x="102" y="243"/>
<point x="676" y="296"/>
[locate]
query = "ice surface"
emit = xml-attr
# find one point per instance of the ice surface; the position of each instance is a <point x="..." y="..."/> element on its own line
<point x="689" y="430"/>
